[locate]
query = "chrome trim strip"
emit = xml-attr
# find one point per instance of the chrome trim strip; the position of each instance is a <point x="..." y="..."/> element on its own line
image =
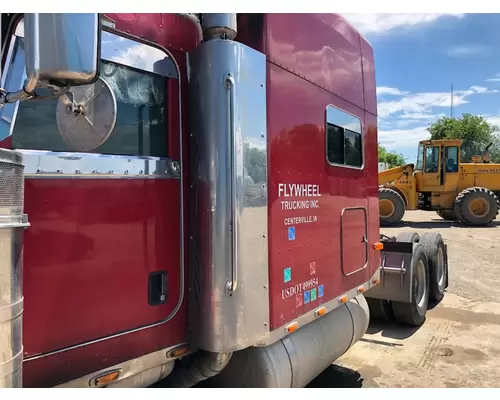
<point x="51" y="164"/>
<point x="128" y="368"/>
<point x="280" y="333"/>
<point x="230" y="83"/>
<point x="181" y="229"/>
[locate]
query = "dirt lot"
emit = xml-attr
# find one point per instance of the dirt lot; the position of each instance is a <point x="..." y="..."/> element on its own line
<point x="459" y="344"/>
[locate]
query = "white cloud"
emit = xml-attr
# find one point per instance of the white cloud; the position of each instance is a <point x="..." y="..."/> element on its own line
<point x="403" y="140"/>
<point x="495" y="79"/>
<point x="383" y="23"/>
<point x="493" y="120"/>
<point x="385" y="90"/>
<point x="421" y="103"/>
<point x="468" y="50"/>
<point x="420" y="116"/>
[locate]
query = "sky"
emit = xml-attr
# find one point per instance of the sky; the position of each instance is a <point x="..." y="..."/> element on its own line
<point x="417" y="59"/>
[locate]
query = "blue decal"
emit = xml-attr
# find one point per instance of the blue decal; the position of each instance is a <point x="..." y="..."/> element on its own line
<point x="287" y="274"/>
<point x="291" y="233"/>
<point x="320" y="291"/>
<point x="307" y="296"/>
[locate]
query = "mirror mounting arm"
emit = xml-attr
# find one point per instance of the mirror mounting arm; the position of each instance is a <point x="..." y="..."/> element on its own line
<point x="20" y="95"/>
<point x="12" y="97"/>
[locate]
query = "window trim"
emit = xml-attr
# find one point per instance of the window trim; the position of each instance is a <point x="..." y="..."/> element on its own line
<point x="438" y="163"/>
<point x="445" y="159"/>
<point x="361" y="127"/>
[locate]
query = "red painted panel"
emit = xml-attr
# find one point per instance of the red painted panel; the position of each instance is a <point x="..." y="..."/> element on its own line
<point x="354" y="249"/>
<point x="297" y="155"/>
<point x="323" y="48"/>
<point x="370" y="84"/>
<point x="88" y="253"/>
<point x="67" y="365"/>
<point x="169" y="30"/>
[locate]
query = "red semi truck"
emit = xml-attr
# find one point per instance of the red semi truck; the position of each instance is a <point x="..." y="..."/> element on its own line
<point x="193" y="196"/>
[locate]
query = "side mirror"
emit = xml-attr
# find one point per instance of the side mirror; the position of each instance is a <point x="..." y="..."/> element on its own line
<point x="61" y="49"/>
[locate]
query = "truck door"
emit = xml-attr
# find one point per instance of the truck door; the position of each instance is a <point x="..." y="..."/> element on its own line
<point x="432" y="169"/>
<point x="103" y="253"/>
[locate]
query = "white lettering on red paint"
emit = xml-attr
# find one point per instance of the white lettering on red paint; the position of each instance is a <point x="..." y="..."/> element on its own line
<point x="300" y="220"/>
<point x="298" y="204"/>
<point x="299" y="288"/>
<point x="298" y="190"/>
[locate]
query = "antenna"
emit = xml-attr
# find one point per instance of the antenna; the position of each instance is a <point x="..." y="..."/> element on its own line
<point x="451" y="105"/>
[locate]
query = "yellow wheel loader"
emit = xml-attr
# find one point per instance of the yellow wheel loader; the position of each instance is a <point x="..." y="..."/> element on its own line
<point x="466" y="192"/>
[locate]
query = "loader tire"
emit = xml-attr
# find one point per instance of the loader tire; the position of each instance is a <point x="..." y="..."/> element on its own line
<point x="477" y="206"/>
<point x="447" y="215"/>
<point x="438" y="269"/>
<point x="380" y="310"/>
<point x="413" y="313"/>
<point x="456" y="210"/>
<point x="409" y="237"/>
<point x="391" y="206"/>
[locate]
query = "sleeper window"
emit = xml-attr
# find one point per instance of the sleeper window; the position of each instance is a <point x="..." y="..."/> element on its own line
<point x="343" y="138"/>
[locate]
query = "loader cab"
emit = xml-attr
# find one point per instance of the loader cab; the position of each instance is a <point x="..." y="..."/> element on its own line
<point x="438" y="164"/>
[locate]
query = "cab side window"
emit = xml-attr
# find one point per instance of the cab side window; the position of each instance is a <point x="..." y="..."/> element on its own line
<point x="137" y="75"/>
<point x="344" y="142"/>
<point x="451" y="159"/>
<point x="432" y="159"/>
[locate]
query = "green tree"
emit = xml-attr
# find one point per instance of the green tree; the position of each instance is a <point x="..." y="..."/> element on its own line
<point x="474" y="130"/>
<point x="392" y="158"/>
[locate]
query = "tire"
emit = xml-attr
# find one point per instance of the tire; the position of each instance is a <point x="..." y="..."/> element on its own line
<point x="380" y="310"/>
<point x="410" y="237"/>
<point x="482" y="215"/>
<point x="414" y="313"/>
<point x="447" y="215"/>
<point x="456" y="210"/>
<point x="438" y="270"/>
<point x="391" y="207"/>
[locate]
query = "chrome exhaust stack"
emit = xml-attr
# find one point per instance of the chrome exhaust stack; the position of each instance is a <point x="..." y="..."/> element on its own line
<point x="12" y="225"/>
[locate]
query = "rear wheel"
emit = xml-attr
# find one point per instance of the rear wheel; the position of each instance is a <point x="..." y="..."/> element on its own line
<point x="391" y="205"/>
<point x="477" y="206"/>
<point x="438" y="270"/>
<point x="447" y="215"/>
<point x="410" y="237"/>
<point x="413" y="313"/>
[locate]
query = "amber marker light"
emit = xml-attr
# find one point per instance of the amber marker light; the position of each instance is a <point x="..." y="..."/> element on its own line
<point x="361" y="289"/>
<point x="320" y="311"/>
<point x="376" y="281"/>
<point x="378" y="246"/>
<point x="292" y="327"/>
<point x="343" y="299"/>
<point x="107" y="378"/>
<point x="178" y="351"/>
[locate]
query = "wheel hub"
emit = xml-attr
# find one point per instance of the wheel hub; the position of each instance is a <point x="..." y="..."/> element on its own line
<point x="387" y="208"/>
<point x="479" y="207"/>
<point x="420" y="285"/>
<point x="440" y="268"/>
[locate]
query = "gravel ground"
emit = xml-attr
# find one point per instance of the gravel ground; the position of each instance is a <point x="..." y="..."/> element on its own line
<point x="459" y="344"/>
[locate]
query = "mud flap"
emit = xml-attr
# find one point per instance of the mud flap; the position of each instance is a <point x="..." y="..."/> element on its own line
<point x="396" y="273"/>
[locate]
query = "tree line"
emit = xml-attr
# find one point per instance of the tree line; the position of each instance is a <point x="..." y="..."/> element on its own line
<point x="474" y="130"/>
